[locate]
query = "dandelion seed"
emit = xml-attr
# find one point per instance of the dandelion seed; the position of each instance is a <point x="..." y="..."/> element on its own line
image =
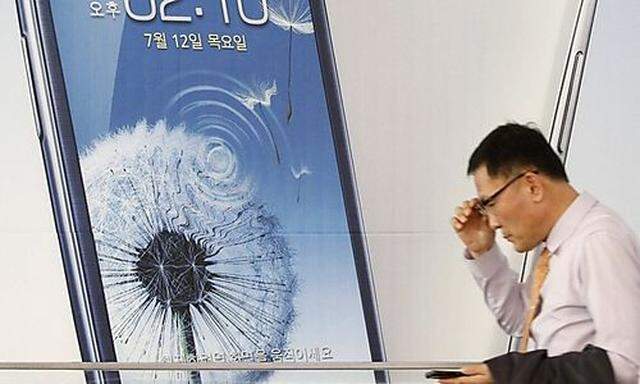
<point x="298" y="175"/>
<point x="258" y="98"/>
<point x="292" y="16"/>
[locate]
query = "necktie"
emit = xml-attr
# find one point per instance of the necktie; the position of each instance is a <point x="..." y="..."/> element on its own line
<point x="539" y="275"/>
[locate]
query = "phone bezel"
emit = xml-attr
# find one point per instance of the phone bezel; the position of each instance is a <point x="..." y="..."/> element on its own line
<point x="86" y="294"/>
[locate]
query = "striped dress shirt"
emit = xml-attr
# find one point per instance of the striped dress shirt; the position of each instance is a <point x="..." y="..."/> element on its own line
<point x="590" y="296"/>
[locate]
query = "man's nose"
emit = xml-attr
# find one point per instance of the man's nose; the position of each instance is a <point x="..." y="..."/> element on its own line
<point x="493" y="222"/>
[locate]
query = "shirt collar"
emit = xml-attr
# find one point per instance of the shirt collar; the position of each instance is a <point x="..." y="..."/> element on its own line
<point x="569" y="221"/>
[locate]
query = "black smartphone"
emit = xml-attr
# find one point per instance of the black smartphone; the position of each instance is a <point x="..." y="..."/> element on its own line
<point x="444" y="374"/>
<point x="200" y="173"/>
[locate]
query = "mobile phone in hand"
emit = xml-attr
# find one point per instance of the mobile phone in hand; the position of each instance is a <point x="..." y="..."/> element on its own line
<point x="449" y="374"/>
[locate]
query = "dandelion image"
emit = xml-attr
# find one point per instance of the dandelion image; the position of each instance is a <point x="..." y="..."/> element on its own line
<point x="293" y="16"/>
<point x="192" y="263"/>
<point x="258" y="98"/>
<point x="298" y="174"/>
<point x="261" y="96"/>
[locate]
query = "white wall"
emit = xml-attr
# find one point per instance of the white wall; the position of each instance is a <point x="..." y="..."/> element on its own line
<point x="422" y="83"/>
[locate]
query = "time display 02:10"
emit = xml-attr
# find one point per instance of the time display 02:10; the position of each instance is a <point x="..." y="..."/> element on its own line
<point x="165" y="5"/>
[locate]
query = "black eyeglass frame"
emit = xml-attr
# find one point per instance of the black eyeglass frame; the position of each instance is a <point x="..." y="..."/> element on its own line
<point x="483" y="204"/>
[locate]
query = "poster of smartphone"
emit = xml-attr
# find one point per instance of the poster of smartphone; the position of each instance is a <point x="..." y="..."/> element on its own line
<point x="205" y="150"/>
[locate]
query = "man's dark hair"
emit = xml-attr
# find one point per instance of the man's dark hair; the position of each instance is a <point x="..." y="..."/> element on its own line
<point x="514" y="147"/>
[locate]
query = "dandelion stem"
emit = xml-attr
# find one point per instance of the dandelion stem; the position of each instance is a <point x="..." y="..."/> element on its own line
<point x="273" y="139"/>
<point x="290" y="105"/>
<point x="184" y="322"/>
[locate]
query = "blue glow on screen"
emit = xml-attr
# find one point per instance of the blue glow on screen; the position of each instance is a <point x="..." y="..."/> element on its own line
<point x="212" y="185"/>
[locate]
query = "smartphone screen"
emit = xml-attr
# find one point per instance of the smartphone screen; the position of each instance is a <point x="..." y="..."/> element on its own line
<point x="216" y="182"/>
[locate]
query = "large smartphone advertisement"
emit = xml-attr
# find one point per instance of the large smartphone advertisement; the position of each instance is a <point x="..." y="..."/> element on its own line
<point x="189" y="191"/>
<point x="214" y="173"/>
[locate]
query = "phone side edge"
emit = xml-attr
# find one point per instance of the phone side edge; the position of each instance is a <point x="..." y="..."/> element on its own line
<point x="346" y="169"/>
<point x="65" y="185"/>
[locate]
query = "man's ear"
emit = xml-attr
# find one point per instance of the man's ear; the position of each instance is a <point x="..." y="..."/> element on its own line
<point x="535" y="186"/>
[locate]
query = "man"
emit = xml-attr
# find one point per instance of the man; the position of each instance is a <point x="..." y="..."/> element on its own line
<point x="579" y="311"/>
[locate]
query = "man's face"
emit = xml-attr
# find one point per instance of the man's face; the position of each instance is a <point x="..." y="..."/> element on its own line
<point x="512" y="211"/>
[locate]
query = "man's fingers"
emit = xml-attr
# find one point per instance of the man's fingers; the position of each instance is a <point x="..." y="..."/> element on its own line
<point x="461" y="218"/>
<point x="478" y="374"/>
<point x="476" y="369"/>
<point x="461" y="213"/>
<point x="459" y="380"/>
<point x="471" y="204"/>
<point x="467" y="207"/>
<point x="456" y="224"/>
<point x="477" y="379"/>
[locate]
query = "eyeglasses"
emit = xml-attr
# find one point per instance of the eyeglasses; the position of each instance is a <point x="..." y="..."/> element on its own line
<point x="483" y="204"/>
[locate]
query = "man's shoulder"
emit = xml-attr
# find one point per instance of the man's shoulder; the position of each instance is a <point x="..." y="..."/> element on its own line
<point x="601" y="217"/>
<point x="602" y="221"/>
